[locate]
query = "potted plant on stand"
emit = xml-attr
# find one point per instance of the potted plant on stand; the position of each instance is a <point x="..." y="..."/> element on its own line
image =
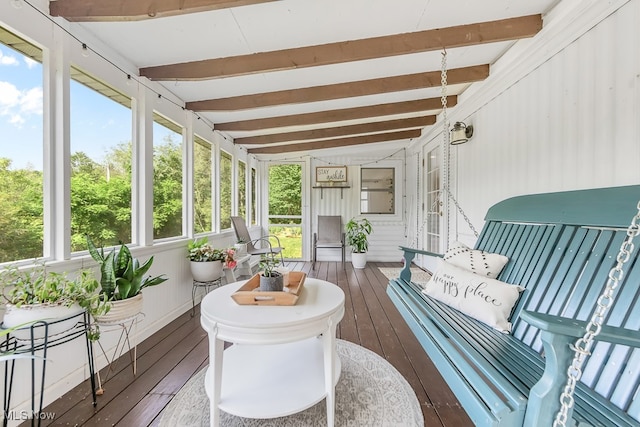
<point x="357" y="233"/>
<point x="207" y="262"/>
<point x="35" y="295"/>
<point x="122" y="280"/>
<point x="270" y="278"/>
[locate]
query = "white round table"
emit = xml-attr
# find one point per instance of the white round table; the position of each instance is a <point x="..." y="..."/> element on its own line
<point x="283" y="359"/>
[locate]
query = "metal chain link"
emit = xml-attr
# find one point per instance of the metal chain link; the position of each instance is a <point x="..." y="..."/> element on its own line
<point x="447" y="163"/>
<point x="464" y="215"/>
<point x="445" y="134"/>
<point x="583" y="345"/>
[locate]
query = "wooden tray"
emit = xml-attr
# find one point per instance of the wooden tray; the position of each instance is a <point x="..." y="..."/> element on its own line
<point x="250" y="294"/>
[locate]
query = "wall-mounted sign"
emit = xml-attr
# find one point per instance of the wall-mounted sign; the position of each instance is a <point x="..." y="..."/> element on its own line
<point x="331" y="174"/>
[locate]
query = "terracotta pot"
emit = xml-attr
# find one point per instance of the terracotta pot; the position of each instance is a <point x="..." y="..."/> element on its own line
<point x="122" y="310"/>
<point x="207" y="271"/>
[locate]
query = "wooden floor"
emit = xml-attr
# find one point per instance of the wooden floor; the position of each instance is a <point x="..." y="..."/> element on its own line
<point x="170" y="357"/>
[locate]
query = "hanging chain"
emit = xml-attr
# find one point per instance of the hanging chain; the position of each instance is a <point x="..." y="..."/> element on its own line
<point x="447" y="163"/>
<point x="583" y="345"/>
<point x="447" y="145"/>
<point x="464" y="215"/>
<point x="445" y="133"/>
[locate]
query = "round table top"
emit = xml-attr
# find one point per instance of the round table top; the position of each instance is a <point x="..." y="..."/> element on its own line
<point x="318" y="300"/>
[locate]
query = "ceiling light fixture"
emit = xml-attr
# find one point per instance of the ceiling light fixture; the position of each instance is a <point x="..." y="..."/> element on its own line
<point x="461" y="133"/>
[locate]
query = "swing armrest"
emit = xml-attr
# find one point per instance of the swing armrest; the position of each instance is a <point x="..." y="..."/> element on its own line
<point x="576" y="328"/>
<point x="419" y="251"/>
<point x="409" y="254"/>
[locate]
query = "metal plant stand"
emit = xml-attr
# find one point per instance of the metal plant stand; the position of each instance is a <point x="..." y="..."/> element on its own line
<point x="128" y="329"/>
<point x="37" y="349"/>
<point x="207" y="286"/>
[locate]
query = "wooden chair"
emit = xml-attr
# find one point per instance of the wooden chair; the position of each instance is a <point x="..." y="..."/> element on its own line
<point x="330" y="235"/>
<point x="266" y="248"/>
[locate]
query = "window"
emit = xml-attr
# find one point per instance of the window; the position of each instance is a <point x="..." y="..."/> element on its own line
<point x="377" y="191"/>
<point x="100" y="163"/>
<point x="202" y="186"/>
<point x="254" y="201"/>
<point x="225" y="190"/>
<point x="242" y="189"/>
<point x="21" y="149"/>
<point x="167" y="178"/>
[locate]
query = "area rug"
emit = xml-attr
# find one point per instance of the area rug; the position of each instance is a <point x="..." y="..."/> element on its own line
<point x="417" y="275"/>
<point x="370" y="392"/>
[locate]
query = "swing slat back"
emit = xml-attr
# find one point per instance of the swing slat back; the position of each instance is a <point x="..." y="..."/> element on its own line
<point x="561" y="247"/>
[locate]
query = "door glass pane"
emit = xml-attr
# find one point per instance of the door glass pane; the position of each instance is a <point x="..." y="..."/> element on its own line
<point x="433" y="204"/>
<point x="285" y="207"/>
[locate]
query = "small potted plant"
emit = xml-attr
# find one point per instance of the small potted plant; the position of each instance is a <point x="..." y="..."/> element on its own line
<point x="357" y="234"/>
<point x="240" y="247"/>
<point x="122" y="280"/>
<point x="270" y="278"/>
<point x="34" y="295"/>
<point x="207" y="262"/>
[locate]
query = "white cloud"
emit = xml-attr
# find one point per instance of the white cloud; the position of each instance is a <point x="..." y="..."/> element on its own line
<point x="19" y="105"/>
<point x="30" y="62"/>
<point x="8" y="59"/>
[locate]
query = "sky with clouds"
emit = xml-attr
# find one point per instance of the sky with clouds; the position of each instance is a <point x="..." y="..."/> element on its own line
<point x="97" y="123"/>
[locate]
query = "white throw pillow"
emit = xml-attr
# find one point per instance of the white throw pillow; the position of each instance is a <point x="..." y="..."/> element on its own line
<point x="487" y="300"/>
<point x="480" y="262"/>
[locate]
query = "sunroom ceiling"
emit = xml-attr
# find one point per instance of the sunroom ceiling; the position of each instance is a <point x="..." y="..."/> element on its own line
<point x="293" y="75"/>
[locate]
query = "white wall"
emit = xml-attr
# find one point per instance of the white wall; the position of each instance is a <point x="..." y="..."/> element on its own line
<point x="388" y="230"/>
<point x="570" y="122"/>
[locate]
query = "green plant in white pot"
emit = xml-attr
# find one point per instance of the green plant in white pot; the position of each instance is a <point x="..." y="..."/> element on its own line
<point x="122" y="280"/>
<point x="358" y="231"/>
<point x="207" y="262"/>
<point x="270" y="278"/>
<point x="33" y="295"/>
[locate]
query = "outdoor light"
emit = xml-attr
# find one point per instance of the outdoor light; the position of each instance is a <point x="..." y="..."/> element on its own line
<point x="461" y="133"/>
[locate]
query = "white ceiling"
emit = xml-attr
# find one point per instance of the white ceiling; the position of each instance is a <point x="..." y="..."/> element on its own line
<point x="286" y="24"/>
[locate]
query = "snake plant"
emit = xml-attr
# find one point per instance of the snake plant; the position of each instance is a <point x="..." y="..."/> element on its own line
<point x="121" y="275"/>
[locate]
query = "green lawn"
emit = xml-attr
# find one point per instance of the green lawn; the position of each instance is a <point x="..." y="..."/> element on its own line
<point x="290" y="239"/>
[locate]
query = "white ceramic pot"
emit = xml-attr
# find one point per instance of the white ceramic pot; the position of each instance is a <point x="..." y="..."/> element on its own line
<point x="50" y="313"/>
<point x="122" y="310"/>
<point x="206" y="271"/>
<point x="359" y="260"/>
<point x="241" y="249"/>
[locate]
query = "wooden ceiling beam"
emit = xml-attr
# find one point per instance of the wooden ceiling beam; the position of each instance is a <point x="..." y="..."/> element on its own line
<point x="338" y="142"/>
<point x="119" y="10"/>
<point x="372" y="127"/>
<point x="347" y="51"/>
<point x="342" y="90"/>
<point x="339" y="115"/>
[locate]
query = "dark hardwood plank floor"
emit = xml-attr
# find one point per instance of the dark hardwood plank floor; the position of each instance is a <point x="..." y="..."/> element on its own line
<point x="167" y="359"/>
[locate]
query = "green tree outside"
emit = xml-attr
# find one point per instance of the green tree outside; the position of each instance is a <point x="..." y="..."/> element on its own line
<point x="285" y="199"/>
